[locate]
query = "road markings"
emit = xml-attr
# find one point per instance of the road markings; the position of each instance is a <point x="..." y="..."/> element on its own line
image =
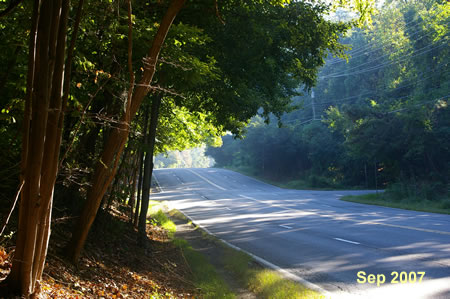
<point x="408" y="227"/>
<point x="228" y="208"/>
<point x="202" y="177"/>
<point x="285" y="226"/>
<point x="347" y="241"/>
<point x="251" y="198"/>
<point x="370" y="222"/>
<point x="286" y="273"/>
<point x="159" y="185"/>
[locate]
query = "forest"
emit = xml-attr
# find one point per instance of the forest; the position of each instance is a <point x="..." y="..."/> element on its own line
<point x="91" y="91"/>
<point x="379" y="120"/>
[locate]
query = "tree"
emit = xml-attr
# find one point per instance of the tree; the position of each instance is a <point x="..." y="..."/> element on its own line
<point x="48" y="74"/>
<point x="106" y="167"/>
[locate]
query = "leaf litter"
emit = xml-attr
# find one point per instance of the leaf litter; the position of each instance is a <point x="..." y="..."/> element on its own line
<point x="112" y="264"/>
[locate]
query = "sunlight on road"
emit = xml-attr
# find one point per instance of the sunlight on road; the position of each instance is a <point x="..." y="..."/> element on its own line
<point x="434" y="288"/>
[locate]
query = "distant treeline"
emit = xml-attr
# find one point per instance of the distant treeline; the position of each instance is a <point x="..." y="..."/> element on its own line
<point x="380" y="120"/>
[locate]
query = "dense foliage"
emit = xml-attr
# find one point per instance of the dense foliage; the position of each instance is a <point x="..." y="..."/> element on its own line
<point x="88" y="87"/>
<point x="382" y="119"/>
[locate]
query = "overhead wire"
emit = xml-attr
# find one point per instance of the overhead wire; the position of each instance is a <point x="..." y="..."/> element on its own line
<point x="372" y="92"/>
<point x="385" y="55"/>
<point x="376" y="48"/>
<point x="416" y="53"/>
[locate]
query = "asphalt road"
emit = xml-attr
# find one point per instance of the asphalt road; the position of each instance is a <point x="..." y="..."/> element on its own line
<point x="315" y="236"/>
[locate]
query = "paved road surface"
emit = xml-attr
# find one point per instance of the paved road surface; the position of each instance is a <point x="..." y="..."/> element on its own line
<point x="314" y="235"/>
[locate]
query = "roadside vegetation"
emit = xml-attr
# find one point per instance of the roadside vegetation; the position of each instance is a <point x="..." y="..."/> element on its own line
<point x="380" y="121"/>
<point x="204" y="275"/>
<point x="286" y="183"/>
<point x="264" y="283"/>
<point x="388" y="199"/>
<point x="92" y="91"/>
<point x="113" y="265"/>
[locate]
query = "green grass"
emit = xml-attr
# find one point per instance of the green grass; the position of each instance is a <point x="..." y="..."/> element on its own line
<point x="177" y="215"/>
<point x="384" y="199"/>
<point x="205" y="275"/>
<point x="314" y="183"/>
<point x="264" y="283"/>
<point x="159" y="218"/>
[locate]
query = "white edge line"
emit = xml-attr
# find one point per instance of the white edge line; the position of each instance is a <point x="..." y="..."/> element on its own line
<point x="157" y="182"/>
<point x="283" y="272"/>
<point x="217" y="186"/>
<point x="347" y="241"/>
<point x="285" y="226"/>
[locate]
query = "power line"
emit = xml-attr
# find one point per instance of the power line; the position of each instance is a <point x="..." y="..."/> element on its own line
<point x="373" y="92"/>
<point x="403" y="58"/>
<point x="383" y="43"/>
<point x="368" y="46"/>
<point x="382" y="56"/>
<point x="418" y="104"/>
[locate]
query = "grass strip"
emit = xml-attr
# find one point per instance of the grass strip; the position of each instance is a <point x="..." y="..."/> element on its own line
<point x="381" y="199"/>
<point x="265" y="283"/>
<point x="316" y="183"/>
<point x="159" y="218"/>
<point x="205" y="275"/>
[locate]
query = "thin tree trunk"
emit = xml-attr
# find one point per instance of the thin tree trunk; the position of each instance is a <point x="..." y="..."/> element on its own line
<point x="14" y="277"/>
<point x="132" y="195"/>
<point x="106" y="167"/>
<point x="138" y="197"/>
<point x="141" y="168"/>
<point x="148" y="169"/>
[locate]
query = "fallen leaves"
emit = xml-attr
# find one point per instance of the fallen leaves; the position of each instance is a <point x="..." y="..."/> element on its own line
<point x="5" y="263"/>
<point x="115" y="267"/>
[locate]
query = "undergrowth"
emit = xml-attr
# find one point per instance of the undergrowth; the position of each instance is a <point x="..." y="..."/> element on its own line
<point x="265" y="283"/>
<point x="386" y="199"/>
<point x="205" y="276"/>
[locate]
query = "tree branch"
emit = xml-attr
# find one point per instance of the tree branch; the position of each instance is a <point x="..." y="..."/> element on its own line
<point x="10" y="8"/>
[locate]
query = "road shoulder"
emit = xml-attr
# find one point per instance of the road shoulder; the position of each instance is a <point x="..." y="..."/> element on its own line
<point x="213" y="252"/>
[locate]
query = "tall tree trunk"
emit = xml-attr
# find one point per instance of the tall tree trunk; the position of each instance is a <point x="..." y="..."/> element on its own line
<point x="107" y="165"/>
<point x="139" y="191"/>
<point x="44" y="105"/>
<point x="141" y="168"/>
<point x="148" y="169"/>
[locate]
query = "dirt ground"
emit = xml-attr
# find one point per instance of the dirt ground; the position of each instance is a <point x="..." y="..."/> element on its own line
<point x="114" y="266"/>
